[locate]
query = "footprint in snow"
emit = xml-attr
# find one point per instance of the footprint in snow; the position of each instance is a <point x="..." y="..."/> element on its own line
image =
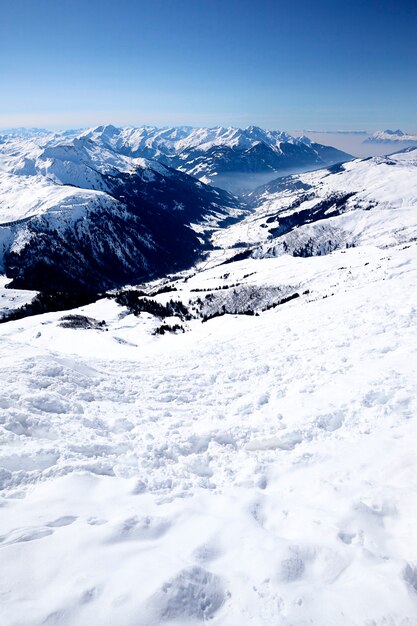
<point x="286" y="442"/>
<point x="66" y="520"/>
<point x="89" y="595"/>
<point x="193" y="594"/>
<point x="346" y="537"/>
<point x="139" y="529"/>
<point x="263" y="399"/>
<point x="409" y="575"/>
<point x="330" y="421"/>
<point x="207" y="552"/>
<point x="292" y="569"/>
<point x="96" y="521"/>
<point x="257" y="512"/>
<point x="21" y="535"/>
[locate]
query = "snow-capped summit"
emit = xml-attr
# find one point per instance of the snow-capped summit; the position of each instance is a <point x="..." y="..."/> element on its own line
<point x="304" y="139"/>
<point x="397" y="132"/>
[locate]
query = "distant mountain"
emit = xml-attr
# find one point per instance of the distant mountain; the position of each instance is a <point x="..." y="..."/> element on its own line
<point x="220" y="155"/>
<point x="23" y="132"/>
<point x="76" y="215"/>
<point x="392" y="137"/>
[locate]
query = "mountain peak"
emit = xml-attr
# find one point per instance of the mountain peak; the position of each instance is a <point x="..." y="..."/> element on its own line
<point x="394" y="132"/>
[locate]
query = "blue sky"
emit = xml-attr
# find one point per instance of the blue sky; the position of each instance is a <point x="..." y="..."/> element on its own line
<point x="290" y="65"/>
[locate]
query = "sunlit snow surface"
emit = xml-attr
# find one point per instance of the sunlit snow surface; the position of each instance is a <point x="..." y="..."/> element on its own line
<point x="252" y="471"/>
<point x="49" y="174"/>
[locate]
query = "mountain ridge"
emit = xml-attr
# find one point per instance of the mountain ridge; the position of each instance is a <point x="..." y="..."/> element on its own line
<point x="210" y="153"/>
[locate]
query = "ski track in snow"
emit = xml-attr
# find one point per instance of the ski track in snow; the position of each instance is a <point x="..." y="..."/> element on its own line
<point x="251" y="471"/>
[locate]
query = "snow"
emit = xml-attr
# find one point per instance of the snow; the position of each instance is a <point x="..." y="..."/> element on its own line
<point x="392" y="136"/>
<point x="282" y="483"/>
<point x="380" y="210"/>
<point x="22" y="197"/>
<point x="252" y="470"/>
<point x="54" y="171"/>
<point x="11" y="299"/>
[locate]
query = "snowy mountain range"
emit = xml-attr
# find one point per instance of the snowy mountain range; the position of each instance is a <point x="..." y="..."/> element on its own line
<point x="220" y="155"/>
<point x="231" y="444"/>
<point x="391" y="137"/>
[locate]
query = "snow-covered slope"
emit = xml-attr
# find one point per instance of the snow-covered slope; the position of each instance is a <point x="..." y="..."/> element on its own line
<point x="254" y="469"/>
<point x="370" y="201"/>
<point x="75" y="214"/>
